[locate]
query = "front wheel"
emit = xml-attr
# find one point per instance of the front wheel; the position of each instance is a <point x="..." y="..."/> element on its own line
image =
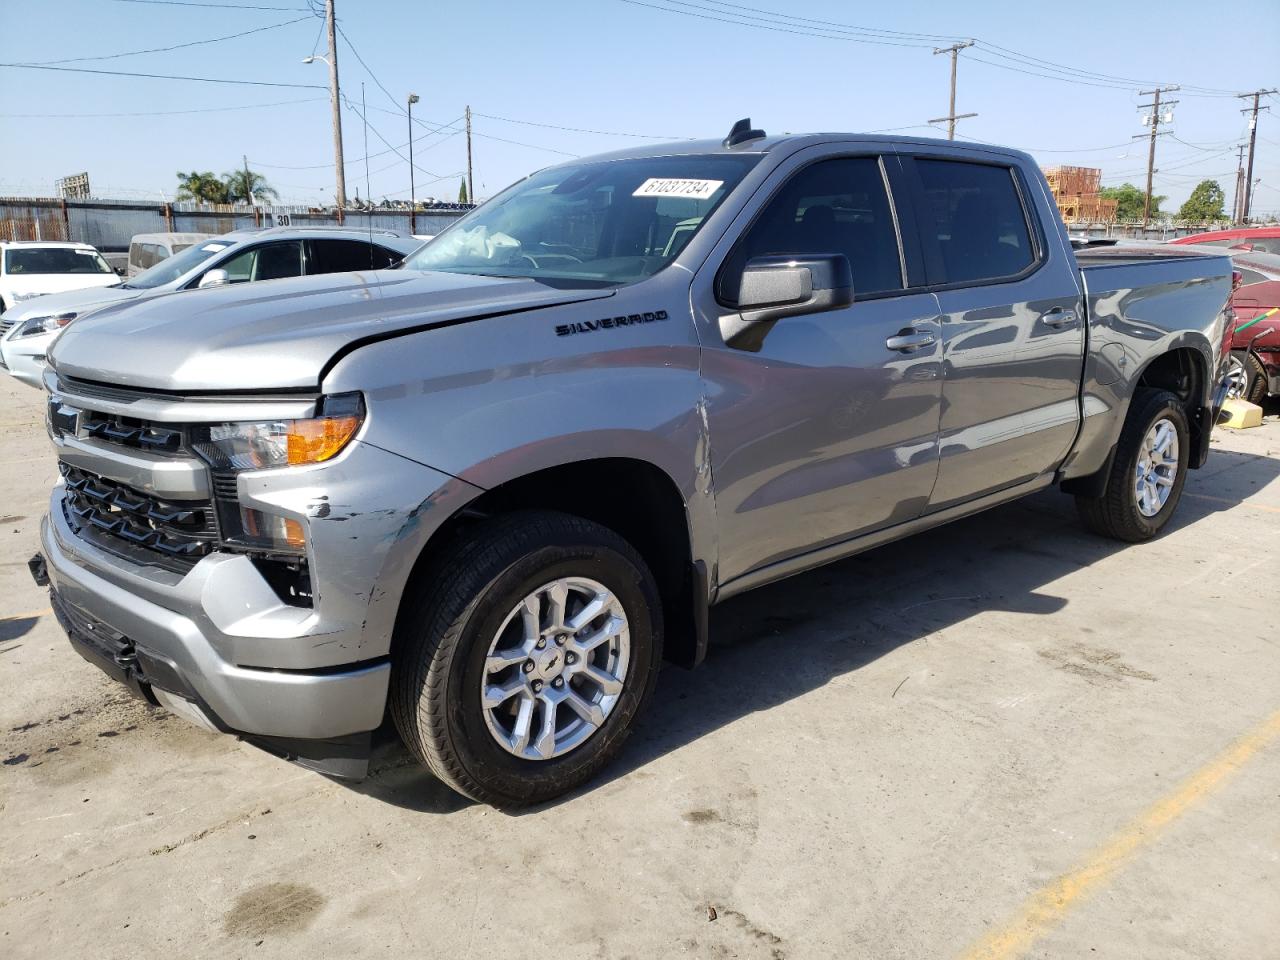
<point x="1147" y="472"/>
<point x="518" y="672"/>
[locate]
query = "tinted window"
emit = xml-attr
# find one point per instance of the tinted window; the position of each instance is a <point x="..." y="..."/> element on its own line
<point x="976" y="215"/>
<point x="336" y="256"/>
<point x="270" y="261"/>
<point x="834" y="206"/>
<point x="175" y="266"/>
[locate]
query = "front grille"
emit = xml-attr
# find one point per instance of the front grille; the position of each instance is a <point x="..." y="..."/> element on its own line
<point x="119" y="518"/>
<point x="131" y="432"/>
<point x="6" y="325"/>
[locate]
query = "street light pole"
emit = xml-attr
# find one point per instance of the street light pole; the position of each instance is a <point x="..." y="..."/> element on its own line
<point x="413" y="201"/>
<point x="332" y="61"/>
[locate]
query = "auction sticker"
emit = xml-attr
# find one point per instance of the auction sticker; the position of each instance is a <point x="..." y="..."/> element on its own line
<point x="692" y="189"/>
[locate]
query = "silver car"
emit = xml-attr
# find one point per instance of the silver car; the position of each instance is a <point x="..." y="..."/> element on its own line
<point x="27" y="330"/>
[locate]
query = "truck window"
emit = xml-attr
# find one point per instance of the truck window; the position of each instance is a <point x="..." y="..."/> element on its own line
<point x="833" y="206"/>
<point x="977" y="218"/>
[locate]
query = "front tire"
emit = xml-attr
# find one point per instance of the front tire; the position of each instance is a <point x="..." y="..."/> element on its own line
<point x="518" y="671"/>
<point x="1147" y="472"/>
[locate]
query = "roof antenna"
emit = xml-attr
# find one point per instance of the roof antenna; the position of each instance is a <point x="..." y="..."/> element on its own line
<point x="742" y="132"/>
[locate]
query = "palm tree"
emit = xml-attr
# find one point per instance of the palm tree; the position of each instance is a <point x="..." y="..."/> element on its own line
<point x="247" y="185"/>
<point x="201" y="186"/>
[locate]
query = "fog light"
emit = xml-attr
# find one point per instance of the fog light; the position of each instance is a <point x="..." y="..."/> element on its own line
<point x="272" y="532"/>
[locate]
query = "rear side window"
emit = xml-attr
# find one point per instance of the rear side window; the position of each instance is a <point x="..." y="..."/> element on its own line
<point x="337" y="256"/>
<point x="833" y="206"/>
<point x="974" y="212"/>
<point x="269" y="261"/>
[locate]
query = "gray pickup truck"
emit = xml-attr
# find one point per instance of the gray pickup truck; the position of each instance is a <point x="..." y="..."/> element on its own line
<point x="487" y="492"/>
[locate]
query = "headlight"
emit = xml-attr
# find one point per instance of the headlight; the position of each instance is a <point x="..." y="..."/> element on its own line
<point x="38" y="325"/>
<point x="278" y="443"/>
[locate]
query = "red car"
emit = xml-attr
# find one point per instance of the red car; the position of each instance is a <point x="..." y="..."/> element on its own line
<point x="1246" y="239"/>
<point x="1255" y="342"/>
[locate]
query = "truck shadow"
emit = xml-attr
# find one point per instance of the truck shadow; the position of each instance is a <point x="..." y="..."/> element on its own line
<point x="784" y="640"/>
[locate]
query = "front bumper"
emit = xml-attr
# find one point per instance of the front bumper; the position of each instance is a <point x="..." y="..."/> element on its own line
<point x="24" y="359"/>
<point x="153" y="649"/>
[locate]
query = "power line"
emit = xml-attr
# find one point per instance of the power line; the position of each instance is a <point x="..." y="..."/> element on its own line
<point x="179" y="46"/>
<point x="214" y="6"/>
<point x="380" y="153"/>
<point x="161" y="76"/>
<point x="833" y="23"/>
<point x="156" y="113"/>
<point x="556" y="126"/>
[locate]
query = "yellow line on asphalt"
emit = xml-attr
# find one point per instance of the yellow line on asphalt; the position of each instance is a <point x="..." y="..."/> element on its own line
<point x="1047" y="907"/>
<point x="1235" y="503"/>
<point x="29" y="615"/>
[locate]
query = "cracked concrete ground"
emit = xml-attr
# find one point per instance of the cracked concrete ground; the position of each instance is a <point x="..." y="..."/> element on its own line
<point x="885" y="758"/>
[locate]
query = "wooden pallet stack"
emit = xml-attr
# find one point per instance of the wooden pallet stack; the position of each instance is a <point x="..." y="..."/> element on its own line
<point x="1076" y="192"/>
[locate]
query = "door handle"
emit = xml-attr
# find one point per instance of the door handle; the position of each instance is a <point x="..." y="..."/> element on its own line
<point x="909" y="340"/>
<point x="1059" y="318"/>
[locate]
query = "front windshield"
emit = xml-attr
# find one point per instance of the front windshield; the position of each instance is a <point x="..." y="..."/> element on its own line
<point x="167" y="271"/>
<point x="57" y="260"/>
<point x="589" y="224"/>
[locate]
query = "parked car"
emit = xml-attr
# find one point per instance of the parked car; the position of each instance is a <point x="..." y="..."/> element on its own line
<point x="1254" y="365"/>
<point x="27" y="331"/>
<point x="34" y="268"/>
<point x="493" y="488"/>
<point x="148" y="249"/>
<point x="1248" y="239"/>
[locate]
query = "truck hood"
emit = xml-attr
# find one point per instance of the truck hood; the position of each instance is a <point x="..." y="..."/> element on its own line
<point x="73" y="301"/>
<point x="279" y="334"/>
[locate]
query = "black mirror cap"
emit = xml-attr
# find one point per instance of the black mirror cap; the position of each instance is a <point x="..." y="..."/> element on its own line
<point x="742" y="132"/>
<point x="786" y="286"/>
<point x="826" y="272"/>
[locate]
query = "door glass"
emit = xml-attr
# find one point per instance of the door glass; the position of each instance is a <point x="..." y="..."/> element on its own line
<point x="337" y="256"/>
<point x="978" y="220"/>
<point x="833" y="206"/>
<point x="270" y="261"/>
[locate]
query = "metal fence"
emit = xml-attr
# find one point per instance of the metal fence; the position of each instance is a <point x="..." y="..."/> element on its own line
<point x="109" y="225"/>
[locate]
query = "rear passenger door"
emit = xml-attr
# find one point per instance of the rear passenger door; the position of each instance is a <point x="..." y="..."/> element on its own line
<point x="829" y="429"/>
<point x="1012" y="325"/>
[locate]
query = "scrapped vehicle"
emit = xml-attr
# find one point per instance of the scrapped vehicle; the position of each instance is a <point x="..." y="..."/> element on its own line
<point x="1253" y="369"/>
<point x="148" y="249"/>
<point x="34" y="268"/>
<point x="1246" y="239"/>
<point x="491" y="490"/>
<point x="26" y="332"/>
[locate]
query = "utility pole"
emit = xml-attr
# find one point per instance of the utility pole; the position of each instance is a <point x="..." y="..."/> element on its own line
<point x="413" y="202"/>
<point x="1155" y="131"/>
<point x="951" y="116"/>
<point x="339" y="169"/>
<point x="1235" y="197"/>
<point x="471" y="184"/>
<point x="1253" y="139"/>
<point x="248" y="184"/>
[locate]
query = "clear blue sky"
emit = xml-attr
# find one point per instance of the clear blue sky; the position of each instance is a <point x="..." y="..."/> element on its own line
<point x="610" y="65"/>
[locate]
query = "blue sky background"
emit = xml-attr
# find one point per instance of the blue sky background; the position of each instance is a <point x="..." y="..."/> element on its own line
<point x="616" y="67"/>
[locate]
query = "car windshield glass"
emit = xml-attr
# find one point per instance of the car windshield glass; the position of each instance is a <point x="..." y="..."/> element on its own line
<point x="589" y="224"/>
<point x="54" y="260"/>
<point x="166" y="271"/>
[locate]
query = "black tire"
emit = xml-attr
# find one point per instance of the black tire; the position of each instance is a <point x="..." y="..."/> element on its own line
<point x="1255" y="390"/>
<point x="443" y="637"/>
<point x="1116" y="514"/>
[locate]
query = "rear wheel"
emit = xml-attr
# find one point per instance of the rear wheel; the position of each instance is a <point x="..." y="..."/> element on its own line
<point x="1147" y="472"/>
<point x="1255" y="390"/>
<point x="518" y="672"/>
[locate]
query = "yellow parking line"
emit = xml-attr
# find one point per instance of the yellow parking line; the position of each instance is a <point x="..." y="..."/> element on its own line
<point x="1045" y="908"/>
<point x="1235" y="503"/>
<point x="29" y="615"/>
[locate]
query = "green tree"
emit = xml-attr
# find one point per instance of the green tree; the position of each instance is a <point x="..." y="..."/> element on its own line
<point x="1205" y="202"/>
<point x="248" y="186"/>
<point x="1129" y="201"/>
<point x="201" y="186"/>
<point x="462" y="192"/>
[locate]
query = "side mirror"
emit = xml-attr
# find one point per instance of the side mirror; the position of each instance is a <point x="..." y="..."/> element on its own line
<point x="214" y="278"/>
<point x="775" y="287"/>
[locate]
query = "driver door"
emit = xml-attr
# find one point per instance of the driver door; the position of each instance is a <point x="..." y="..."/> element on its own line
<point x="827" y="431"/>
